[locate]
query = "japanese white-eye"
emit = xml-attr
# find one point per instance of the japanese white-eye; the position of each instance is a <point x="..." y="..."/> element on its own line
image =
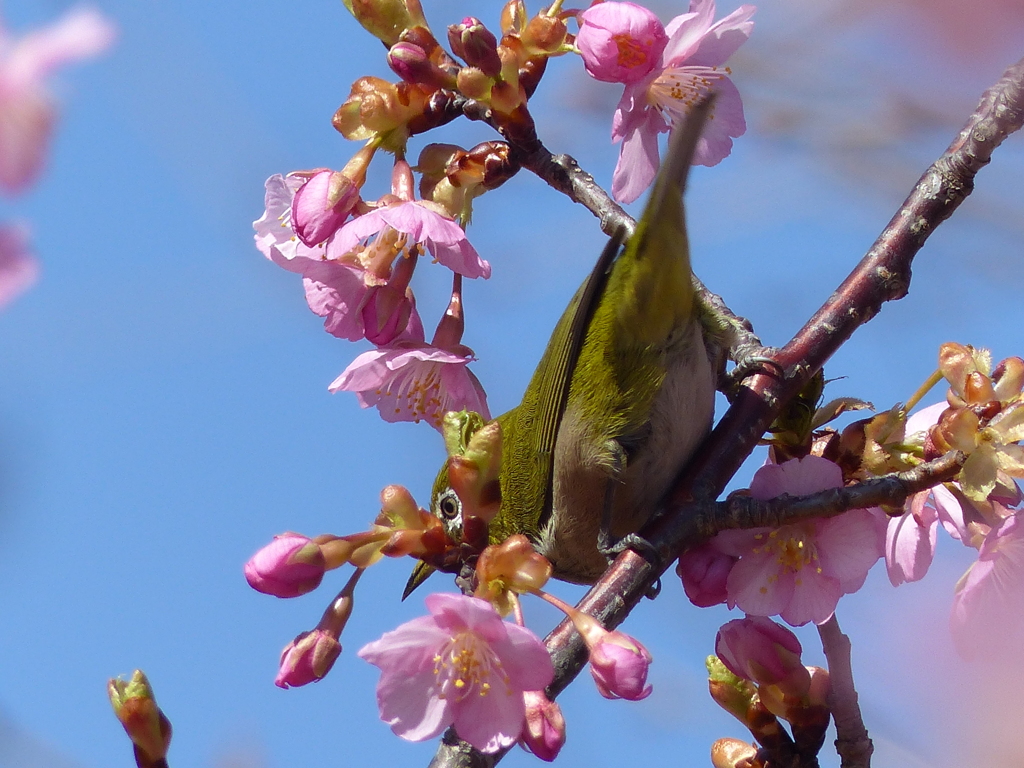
<point x="620" y="400"/>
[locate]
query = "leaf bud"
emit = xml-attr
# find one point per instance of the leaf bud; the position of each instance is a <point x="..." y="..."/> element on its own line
<point x="387" y="19"/>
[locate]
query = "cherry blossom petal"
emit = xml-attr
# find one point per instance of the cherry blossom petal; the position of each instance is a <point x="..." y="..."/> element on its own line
<point x="814" y="599"/>
<point x="910" y="541"/>
<point x="638" y="159"/>
<point x="757" y="587"/>
<point x="798" y="477"/>
<point x="724" y="37"/>
<point x="951" y="513"/>
<point x="849" y="544"/>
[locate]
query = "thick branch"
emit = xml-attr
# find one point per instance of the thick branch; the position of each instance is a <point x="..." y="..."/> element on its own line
<point x="852" y="741"/>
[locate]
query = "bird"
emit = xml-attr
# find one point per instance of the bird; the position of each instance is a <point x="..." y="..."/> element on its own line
<point x="621" y="399"/>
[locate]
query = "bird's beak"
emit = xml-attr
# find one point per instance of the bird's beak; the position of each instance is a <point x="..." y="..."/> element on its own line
<point x="420" y="574"/>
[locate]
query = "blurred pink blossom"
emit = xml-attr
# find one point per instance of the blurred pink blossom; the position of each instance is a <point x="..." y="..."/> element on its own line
<point x="988" y="608"/>
<point x="18" y="267"/>
<point x="463" y="666"/>
<point x="800" y="571"/>
<point x="691" y="65"/>
<point x="26" y="109"/>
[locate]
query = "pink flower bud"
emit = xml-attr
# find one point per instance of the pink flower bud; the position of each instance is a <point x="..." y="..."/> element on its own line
<point x="758" y="649"/>
<point x="411" y="63"/>
<point x="705" y="572"/>
<point x="544" y="732"/>
<point x="321" y="206"/>
<point x="619" y="665"/>
<point x="289" y="566"/>
<point x="307" y="658"/>
<point x="620" y="42"/>
<point x="472" y="42"/>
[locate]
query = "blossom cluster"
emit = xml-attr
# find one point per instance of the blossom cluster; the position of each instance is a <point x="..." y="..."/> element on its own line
<point x="800" y="571"/>
<point x="357" y="255"/>
<point x="27" y="117"/>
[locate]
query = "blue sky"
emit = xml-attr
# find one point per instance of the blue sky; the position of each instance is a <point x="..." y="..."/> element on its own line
<point x="163" y="401"/>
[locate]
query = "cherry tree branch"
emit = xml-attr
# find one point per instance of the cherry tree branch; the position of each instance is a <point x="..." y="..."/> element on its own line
<point x="882" y="275"/>
<point x="892" y="490"/>
<point x="852" y="741"/>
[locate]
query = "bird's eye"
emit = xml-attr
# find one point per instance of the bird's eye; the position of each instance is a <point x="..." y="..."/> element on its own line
<point x="449" y="506"/>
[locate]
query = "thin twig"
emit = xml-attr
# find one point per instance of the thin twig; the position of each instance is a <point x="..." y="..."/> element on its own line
<point x="852" y="741"/>
<point x="891" y="490"/>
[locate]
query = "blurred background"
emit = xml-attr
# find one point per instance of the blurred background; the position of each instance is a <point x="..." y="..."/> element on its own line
<point x="163" y="388"/>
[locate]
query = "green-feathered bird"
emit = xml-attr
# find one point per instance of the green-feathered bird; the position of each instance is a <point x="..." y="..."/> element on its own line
<point x="619" y="402"/>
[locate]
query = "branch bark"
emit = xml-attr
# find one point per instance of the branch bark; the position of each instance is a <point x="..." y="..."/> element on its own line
<point x="852" y="741"/>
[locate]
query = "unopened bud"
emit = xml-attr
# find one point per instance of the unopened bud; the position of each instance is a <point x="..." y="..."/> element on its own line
<point x="289" y="566"/>
<point x="513" y="17"/>
<point x="512" y="566"/>
<point x="409" y="62"/>
<point x="731" y="692"/>
<point x="544" y="730"/>
<point x="544" y="36"/>
<point x="472" y="42"/>
<point x="474" y="84"/>
<point x="387" y="19"/>
<point x="733" y="753"/>
<point x="307" y="658"/>
<point x="619" y="664"/>
<point x="135" y="706"/>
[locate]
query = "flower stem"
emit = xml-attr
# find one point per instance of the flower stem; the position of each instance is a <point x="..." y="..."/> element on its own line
<point x="924" y="389"/>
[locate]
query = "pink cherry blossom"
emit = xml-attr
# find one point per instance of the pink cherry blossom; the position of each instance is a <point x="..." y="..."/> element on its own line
<point x="26" y="109"/>
<point x="307" y="658"/>
<point x="691" y="65"/>
<point x="463" y="666"/>
<point x="756" y="648"/>
<point x="410" y="380"/>
<point x="619" y="664"/>
<point x="620" y="42"/>
<point x="800" y="570"/>
<point x="988" y="608"/>
<point x="420" y="224"/>
<point x="289" y="566"/>
<point x="18" y="267"/>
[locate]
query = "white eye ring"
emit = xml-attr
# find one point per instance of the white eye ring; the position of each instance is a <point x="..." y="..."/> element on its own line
<point x="449" y="512"/>
<point x="449" y="508"/>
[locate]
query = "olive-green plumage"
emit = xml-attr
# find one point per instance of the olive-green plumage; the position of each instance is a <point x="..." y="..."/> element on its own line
<point x="621" y="398"/>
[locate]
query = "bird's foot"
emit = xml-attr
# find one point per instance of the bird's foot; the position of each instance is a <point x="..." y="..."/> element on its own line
<point x="763" y="361"/>
<point x="613" y="548"/>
